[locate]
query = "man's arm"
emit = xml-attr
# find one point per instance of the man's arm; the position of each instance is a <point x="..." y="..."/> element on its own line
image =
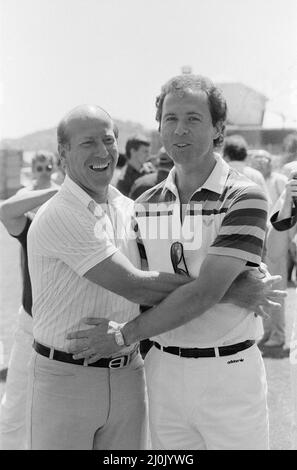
<point x="120" y="276"/>
<point x="13" y="210"/>
<point x="184" y="304"/>
<point x="187" y="302"/>
<point x="239" y="242"/>
<point x="285" y="210"/>
<point x="283" y="221"/>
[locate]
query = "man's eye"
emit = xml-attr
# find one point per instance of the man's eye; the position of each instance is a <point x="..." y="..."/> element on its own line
<point x="170" y="118"/>
<point x="87" y="142"/>
<point x="109" y="142"/>
<point x="194" y="119"/>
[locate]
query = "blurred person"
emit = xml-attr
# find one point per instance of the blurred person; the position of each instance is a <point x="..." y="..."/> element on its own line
<point x="43" y="163"/>
<point x="284" y="222"/>
<point x="137" y="155"/>
<point x="16" y="214"/>
<point x="261" y="160"/>
<point x="274" y="326"/>
<point x="163" y="164"/>
<point x="290" y="152"/>
<point x="58" y="175"/>
<point x="205" y="375"/>
<point x="118" y="169"/>
<point x="290" y="166"/>
<point x="235" y="152"/>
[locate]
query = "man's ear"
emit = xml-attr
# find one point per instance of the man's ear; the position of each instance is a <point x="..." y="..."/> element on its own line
<point x="218" y="129"/>
<point x="62" y="155"/>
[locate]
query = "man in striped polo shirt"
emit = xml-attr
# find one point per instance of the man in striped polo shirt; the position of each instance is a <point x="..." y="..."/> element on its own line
<point x="206" y="379"/>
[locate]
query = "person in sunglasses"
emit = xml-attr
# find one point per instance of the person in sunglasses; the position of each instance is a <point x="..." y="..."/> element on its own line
<point x="43" y="165"/>
<point x="16" y="214"/>
<point x="205" y="375"/>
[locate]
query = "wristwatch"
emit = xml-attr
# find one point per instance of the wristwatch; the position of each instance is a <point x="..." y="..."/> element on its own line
<point x="119" y="339"/>
<point x="115" y="328"/>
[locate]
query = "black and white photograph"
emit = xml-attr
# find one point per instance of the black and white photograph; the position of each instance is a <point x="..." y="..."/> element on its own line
<point x="148" y="227"/>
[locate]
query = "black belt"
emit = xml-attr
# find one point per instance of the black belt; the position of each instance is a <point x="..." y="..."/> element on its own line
<point x="108" y="362"/>
<point x="206" y="352"/>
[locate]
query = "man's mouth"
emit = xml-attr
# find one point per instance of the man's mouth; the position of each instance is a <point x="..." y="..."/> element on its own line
<point x="181" y="146"/>
<point x="99" y="167"/>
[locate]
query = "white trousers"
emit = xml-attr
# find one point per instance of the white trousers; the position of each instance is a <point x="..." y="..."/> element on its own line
<point x="207" y="403"/>
<point x="13" y="404"/>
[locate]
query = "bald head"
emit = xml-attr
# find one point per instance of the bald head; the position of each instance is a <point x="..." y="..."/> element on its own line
<point x="79" y="114"/>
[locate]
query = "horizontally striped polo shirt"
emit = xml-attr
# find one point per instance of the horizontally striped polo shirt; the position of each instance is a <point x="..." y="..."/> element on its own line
<point x="65" y="240"/>
<point x="225" y="216"/>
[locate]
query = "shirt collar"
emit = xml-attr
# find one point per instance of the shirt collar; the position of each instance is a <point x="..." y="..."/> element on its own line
<point x="237" y="164"/>
<point x="215" y="182"/>
<point x="83" y="196"/>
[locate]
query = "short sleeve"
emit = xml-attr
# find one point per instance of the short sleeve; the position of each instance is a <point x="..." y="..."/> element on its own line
<point x="284" y="224"/>
<point x="243" y="229"/>
<point x="76" y="237"/>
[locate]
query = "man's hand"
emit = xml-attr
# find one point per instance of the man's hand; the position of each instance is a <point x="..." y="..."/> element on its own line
<point x="94" y="343"/>
<point x="255" y="293"/>
<point x="291" y="187"/>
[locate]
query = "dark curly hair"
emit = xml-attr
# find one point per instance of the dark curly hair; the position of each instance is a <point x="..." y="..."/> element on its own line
<point x="216" y="101"/>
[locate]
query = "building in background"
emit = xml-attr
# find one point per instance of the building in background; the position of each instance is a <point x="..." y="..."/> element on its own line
<point x="246" y="107"/>
<point x="11" y="161"/>
<point x="246" y="110"/>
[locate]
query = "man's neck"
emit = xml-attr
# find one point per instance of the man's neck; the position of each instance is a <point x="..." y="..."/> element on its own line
<point x="135" y="164"/>
<point x="100" y="196"/>
<point x="188" y="182"/>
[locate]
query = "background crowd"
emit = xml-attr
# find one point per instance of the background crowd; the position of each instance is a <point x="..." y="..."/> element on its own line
<point x="137" y="171"/>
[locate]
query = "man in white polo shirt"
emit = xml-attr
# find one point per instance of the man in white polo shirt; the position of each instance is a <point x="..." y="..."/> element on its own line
<point x="205" y="374"/>
<point x="76" y="246"/>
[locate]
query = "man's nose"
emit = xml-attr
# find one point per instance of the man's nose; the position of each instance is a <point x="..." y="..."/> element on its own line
<point x="101" y="151"/>
<point x="181" y="128"/>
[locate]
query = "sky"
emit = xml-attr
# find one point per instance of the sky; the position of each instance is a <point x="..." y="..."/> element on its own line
<point x="56" y="54"/>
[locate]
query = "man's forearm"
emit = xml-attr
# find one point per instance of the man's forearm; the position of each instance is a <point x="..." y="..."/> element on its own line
<point x="187" y="302"/>
<point x="150" y="288"/>
<point x="19" y="204"/>
<point x="180" y="307"/>
<point x="286" y="208"/>
<point x="276" y="244"/>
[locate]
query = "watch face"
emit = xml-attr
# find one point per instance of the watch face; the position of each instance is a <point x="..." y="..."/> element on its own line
<point x="119" y="338"/>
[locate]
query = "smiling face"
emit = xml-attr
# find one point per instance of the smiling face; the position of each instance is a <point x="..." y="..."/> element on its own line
<point x="187" y="131"/>
<point x="92" y="153"/>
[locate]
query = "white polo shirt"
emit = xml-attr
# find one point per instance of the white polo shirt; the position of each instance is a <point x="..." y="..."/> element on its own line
<point x="69" y="235"/>
<point x="226" y="216"/>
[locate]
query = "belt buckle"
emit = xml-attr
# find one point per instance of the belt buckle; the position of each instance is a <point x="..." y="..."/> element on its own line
<point x="118" y="362"/>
